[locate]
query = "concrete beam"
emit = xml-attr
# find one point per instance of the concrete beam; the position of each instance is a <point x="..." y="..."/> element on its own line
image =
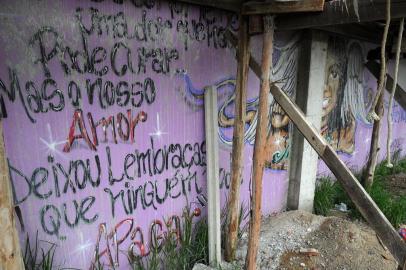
<point x="212" y="172"/>
<point x="309" y="97"/>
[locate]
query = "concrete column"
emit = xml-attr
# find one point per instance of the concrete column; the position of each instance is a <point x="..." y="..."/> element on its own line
<point x="10" y="253"/>
<point x="309" y="97"/>
<point x="212" y="172"/>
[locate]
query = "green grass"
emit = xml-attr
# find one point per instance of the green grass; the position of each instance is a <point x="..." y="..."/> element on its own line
<point x="329" y="192"/>
<point x="324" y="196"/>
<point x="174" y="252"/>
<point x="40" y="255"/>
<point x="191" y="248"/>
<point x="182" y="253"/>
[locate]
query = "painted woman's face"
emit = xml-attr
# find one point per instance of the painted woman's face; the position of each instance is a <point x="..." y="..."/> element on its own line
<point x="330" y="90"/>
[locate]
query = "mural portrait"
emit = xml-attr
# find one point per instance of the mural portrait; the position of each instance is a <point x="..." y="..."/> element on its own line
<point x="344" y="95"/>
<point x="284" y="73"/>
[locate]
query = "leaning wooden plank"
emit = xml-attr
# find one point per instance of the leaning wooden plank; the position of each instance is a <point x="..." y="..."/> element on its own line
<point x="400" y="94"/>
<point x="275" y="7"/>
<point x="243" y="57"/>
<point x="356" y="192"/>
<point x="259" y="146"/>
<point x="361" y="32"/>
<point x="342" y="12"/>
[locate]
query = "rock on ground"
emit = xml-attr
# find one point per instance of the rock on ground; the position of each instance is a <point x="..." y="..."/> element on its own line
<point x="223" y="266"/>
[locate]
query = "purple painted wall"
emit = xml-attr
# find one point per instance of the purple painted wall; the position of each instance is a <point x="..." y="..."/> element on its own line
<point x="67" y="184"/>
<point x="147" y="64"/>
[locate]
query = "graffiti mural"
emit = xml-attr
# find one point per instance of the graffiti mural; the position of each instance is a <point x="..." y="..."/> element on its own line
<point x="104" y="154"/>
<point x="284" y="73"/>
<point x="101" y="103"/>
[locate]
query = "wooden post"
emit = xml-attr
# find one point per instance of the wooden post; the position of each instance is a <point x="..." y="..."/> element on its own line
<point x="243" y="57"/>
<point x="376" y="111"/>
<point x="213" y="185"/>
<point x="390" y="106"/>
<point x="10" y="253"/>
<point x="259" y="146"/>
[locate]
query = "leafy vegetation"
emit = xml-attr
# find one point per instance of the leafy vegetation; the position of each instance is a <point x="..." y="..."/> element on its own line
<point x="330" y="192"/>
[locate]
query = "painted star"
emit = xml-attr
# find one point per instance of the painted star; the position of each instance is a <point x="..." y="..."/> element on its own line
<point x="51" y="144"/>
<point x="158" y="132"/>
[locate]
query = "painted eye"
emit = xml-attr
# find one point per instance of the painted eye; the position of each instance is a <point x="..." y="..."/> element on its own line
<point x="181" y="71"/>
<point x="326" y="101"/>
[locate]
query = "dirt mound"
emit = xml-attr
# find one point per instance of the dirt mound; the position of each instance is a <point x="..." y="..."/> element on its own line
<point x="300" y="240"/>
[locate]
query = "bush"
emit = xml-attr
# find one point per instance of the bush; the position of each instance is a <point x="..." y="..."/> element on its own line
<point x="329" y="192"/>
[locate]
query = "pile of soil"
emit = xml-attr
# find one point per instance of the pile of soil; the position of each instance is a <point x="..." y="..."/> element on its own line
<point x="340" y="244"/>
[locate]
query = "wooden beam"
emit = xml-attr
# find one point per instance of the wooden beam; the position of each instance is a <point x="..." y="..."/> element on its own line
<point x="260" y="145"/>
<point x="342" y="12"/>
<point x="277" y="7"/>
<point x="400" y="94"/>
<point x="364" y="203"/>
<point x="10" y="252"/>
<point x="228" y="5"/>
<point x="402" y="48"/>
<point x="256" y="25"/>
<point x="243" y="57"/>
<point x="354" y="30"/>
<point x="213" y="191"/>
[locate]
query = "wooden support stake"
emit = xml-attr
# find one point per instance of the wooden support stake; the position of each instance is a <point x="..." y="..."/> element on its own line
<point x="259" y="146"/>
<point x="368" y="177"/>
<point x="243" y="57"/>
<point x="389" y="113"/>
<point x="10" y="254"/>
<point x="376" y="111"/>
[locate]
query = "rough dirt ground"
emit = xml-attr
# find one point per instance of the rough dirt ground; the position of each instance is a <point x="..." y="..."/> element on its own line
<point x="341" y="244"/>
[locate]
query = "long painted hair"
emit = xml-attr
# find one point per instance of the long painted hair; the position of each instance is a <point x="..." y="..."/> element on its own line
<point x="350" y="101"/>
